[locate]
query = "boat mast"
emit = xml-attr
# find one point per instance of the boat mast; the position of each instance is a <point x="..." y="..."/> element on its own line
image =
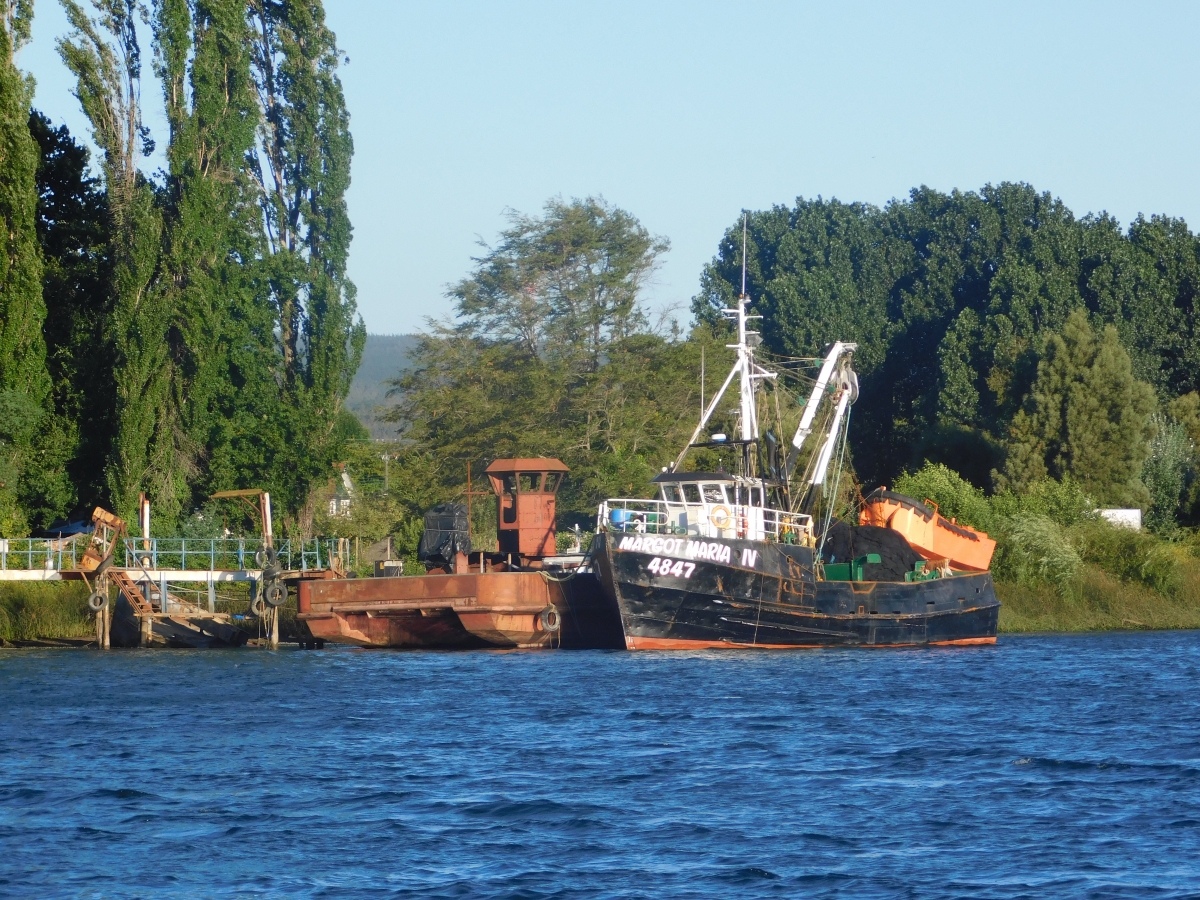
<point x="745" y="367"/>
<point x="746" y="357"/>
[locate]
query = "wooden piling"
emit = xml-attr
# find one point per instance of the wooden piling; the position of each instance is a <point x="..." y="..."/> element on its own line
<point x="274" y="639"/>
<point x="107" y="613"/>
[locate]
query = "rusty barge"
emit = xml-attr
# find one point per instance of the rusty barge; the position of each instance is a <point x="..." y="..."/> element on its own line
<point x="523" y="595"/>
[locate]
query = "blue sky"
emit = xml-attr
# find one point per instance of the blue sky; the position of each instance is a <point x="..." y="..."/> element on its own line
<point x="686" y="113"/>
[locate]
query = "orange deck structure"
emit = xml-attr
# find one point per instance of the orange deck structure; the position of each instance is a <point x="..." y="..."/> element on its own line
<point x="928" y="532"/>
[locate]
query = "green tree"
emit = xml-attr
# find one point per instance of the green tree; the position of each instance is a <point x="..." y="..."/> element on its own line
<point x="104" y="55"/>
<point x="1087" y="417"/>
<point x="74" y="233"/>
<point x="210" y="231"/>
<point x="22" y="309"/>
<point x="32" y="445"/>
<point x="611" y="401"/>
<point x="301" y="166"/>
<point x="950" y="296"/>
<point x="564" y="282"/>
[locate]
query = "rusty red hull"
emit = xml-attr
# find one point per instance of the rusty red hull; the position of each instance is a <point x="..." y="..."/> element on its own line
<point x="463" y="611"/>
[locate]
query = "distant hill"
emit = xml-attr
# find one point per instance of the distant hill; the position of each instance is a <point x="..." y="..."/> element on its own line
<point x="384" y="358"/>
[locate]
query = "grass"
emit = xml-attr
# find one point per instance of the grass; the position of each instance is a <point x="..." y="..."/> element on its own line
<point x="58" y="609"/>
<point x="30" y="610"/>
<point x="1098" y="601"/>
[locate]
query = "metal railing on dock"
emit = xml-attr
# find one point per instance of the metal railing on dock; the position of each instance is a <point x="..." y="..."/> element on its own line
<point x="176" y="554"/>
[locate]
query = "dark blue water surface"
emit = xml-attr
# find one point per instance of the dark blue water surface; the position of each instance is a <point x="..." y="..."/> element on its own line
<point x="1041" y="767"/>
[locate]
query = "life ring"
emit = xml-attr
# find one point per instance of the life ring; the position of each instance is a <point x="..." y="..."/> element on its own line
<point x="275" y="594"/>
<point x="549" y="620"/>
<point x="725" y="520"/>
<point x="97" y="601"/>
<point x="258" y="607"/>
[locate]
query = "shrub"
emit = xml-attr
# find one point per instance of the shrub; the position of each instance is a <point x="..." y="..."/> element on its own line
<point x="1063" y="502"/>
<point x="1032" y="549"/>
<point x="1165" y="474"/>
<point x="956" y="498"/>
<point x="1132" y="556"/>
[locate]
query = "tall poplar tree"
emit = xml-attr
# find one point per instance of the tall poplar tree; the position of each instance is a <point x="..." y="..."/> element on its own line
<point x="104" y="55"/>
<point x="25" y="472"/>
<point x="22" y="310"/>
<point x="210" y="227"/>
<point x="302" y="167"/>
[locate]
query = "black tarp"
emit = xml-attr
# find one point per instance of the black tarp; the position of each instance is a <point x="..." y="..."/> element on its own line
<point x="845" y="542"/>
<point x="446" y="533"/>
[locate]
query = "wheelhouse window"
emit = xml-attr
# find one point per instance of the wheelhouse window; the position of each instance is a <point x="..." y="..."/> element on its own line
<point x="551" y="483"/>
<point x="756" y="497"/>
<point x="691" y="493"/>
<point x="530" y="481"/>
<point x="671" y="494"/>
<point x="714" y="493"/>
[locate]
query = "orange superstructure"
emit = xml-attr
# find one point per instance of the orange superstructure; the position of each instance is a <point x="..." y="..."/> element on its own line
<point x="928" y="532"/>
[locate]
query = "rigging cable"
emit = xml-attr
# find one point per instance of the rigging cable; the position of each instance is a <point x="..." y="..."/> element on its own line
<point x="836" y="482"/>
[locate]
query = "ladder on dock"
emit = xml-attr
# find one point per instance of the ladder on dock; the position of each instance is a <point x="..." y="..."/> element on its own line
<point x="131" y="591"/>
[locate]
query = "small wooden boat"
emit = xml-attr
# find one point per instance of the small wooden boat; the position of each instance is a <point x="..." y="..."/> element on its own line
<point x="928" y="532"/>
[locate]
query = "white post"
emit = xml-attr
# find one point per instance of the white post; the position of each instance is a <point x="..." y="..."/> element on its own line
<point x="268" y="532"/>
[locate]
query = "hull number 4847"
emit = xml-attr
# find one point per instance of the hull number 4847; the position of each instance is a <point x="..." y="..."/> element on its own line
<point x="676" y="567"/>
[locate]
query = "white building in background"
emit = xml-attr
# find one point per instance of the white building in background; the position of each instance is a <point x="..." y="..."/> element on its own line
<point x="1123" y="518"/>
<point x="343" y="496"/>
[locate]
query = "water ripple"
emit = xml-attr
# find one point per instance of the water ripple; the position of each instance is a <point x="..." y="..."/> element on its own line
<point x="1043" y="766"/>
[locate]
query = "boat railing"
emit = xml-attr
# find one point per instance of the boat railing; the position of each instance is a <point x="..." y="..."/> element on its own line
<point x="704" y="520"/>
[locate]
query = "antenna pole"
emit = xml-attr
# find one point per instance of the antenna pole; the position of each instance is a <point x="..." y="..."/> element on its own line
<point x="744" y="220"/>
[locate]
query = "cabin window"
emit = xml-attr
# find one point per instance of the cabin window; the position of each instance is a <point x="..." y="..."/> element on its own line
<point x="510" y="484"/>
<point x="714" y="493"/>
<point x="756" y="497"/>
<point x="530" y="481"/>
<point x="551" y="483"/>
<point x="691" y="493"/>
<point x="671" y="494"/>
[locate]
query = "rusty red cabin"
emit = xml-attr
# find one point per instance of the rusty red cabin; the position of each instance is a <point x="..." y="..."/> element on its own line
<point x="525" y="491"/>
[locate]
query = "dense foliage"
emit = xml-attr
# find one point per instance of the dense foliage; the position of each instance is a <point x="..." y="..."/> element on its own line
<point x="192" y="331"/>
<point x="998" y="333"/>
<point x="552" y="354"/>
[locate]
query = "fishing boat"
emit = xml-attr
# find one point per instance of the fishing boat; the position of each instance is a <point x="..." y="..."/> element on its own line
<point x="740" y="559"/>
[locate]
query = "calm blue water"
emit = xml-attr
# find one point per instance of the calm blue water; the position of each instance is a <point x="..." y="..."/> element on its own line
<point x="1042" y="767"/>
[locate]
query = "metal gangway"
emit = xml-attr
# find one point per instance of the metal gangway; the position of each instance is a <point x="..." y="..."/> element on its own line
<point x="172" y="559"/>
